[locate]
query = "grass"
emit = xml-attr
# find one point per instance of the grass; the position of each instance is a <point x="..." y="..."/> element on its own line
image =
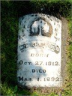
<point x="10" y="13"/>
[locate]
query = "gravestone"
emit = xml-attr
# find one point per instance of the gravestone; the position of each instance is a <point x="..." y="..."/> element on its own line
<point x="39" y="51"/>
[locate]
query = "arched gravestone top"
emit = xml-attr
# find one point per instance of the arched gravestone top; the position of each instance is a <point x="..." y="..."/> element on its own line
<point x="39" y="51"/>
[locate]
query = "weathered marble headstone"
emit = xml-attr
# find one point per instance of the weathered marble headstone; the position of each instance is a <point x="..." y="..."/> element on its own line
<point x="39" y="51"/>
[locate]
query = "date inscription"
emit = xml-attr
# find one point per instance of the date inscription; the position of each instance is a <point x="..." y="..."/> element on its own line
<point x="49" y="63"/>
<point x="38" y="79"/>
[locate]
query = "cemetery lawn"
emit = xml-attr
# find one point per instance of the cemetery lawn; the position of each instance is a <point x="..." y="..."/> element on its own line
<point x="10" y="13"/>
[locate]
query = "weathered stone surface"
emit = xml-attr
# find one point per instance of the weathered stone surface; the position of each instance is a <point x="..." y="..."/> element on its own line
<point x="39" y="51"/>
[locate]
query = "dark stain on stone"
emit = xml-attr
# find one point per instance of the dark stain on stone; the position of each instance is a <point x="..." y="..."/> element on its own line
<point x="24" y="26"/>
